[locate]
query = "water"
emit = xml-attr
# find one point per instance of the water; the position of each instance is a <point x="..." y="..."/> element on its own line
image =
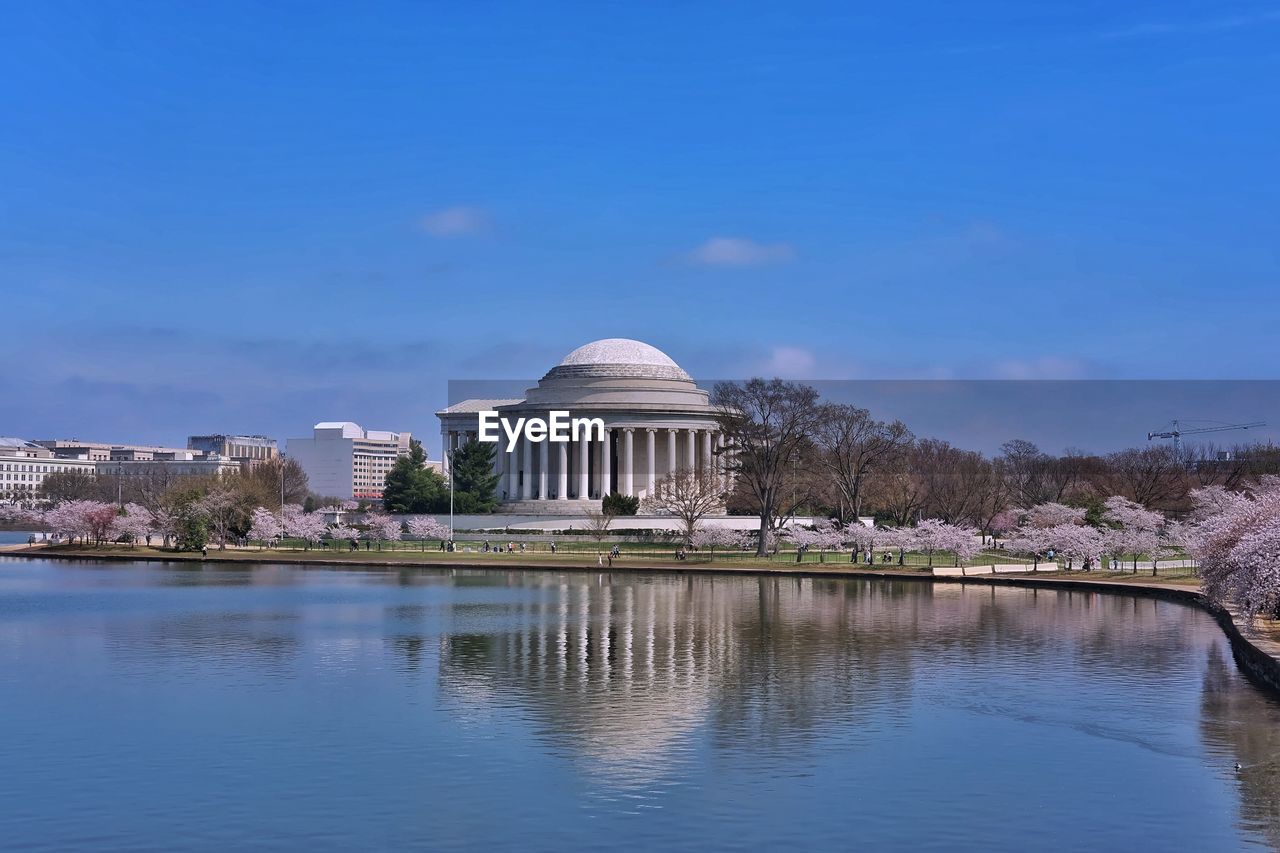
<point x="171" y="707"/>
<point x="16" y="537"/>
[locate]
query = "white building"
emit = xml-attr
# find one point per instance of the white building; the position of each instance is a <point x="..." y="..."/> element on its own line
<point x="656" y="421"/>
<point x="25" y="464"/>
<point x="98" y="451"/>
<point x="184" y="465"/>
<point x="344" y="460"/>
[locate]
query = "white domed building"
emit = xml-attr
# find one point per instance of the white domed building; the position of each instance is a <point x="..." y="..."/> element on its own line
<point x="656" y="421"/>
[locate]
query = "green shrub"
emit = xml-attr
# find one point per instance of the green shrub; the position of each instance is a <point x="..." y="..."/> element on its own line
<point x="616" y="503"/>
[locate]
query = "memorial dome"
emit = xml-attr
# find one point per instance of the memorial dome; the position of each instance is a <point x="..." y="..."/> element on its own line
<point x="617" y="357"/>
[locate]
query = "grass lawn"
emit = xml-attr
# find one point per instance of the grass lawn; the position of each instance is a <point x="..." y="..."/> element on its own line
<point x="586" y="556"/>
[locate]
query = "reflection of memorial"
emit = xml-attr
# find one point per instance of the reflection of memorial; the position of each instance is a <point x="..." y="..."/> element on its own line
<point x="619" y="672"/>
<point x="619" y="669"/>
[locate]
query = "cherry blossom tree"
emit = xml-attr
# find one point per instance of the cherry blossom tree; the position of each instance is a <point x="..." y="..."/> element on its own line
<point x="966" y="543"/>
<point x="712" y="538"/>
<point x="930" y="535"/>
<point x="424" y="527"/>
<point x="310" y="527"/>
<point x="900" y="539"/>
<point x="1054" y="515"/>
<point x="1238" y="547"/>
<point x="265" y="525"/>
<point x="133" y="524"/>
<point x="1003" y="523"/>
<point x="1032" y="540"/>
<point x="824" y="536"/>
<point x="381" y="527"/>
<point x="1075" y="542"/>
<point x="1138" y="528"/>
<point x="90" y="521"/>
<point x="860" y="539"/>
<point x="220" y="508"/>
<point x="343" y="533"/>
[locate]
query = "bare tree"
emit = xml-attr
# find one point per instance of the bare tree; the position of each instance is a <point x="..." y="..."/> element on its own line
<point x="598" y="523"/>
<point x="900" y="490"/>
<point x="852" y="445"/>
<point x="766" y="423"/>
<point x="1153" y="476"/>
<point x="688" y="495"/>
<point x="953" y="479"/>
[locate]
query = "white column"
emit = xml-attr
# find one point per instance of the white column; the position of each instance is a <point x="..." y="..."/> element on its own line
<point x="513" y="469"/>
<point x="584" y="480"/>
<point x="542" y="471"/>
<point x="691" y="450"/>
<point x="562" y="487"/>
<point x="650" y="452"/>
<point x="722" y="461"/>
<point x="526" y="449"/>
<point x="606" y="464"/>
<point x="628" y="461"/>
<point x="671" y="451"/>
<point x="707" y="470"/>
<point x="500" y="468"/>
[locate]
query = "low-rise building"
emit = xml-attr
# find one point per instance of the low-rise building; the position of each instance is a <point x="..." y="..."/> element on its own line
<point x="344" y="460"/>
<point x="245" y="449"/>
<point x="97" y="451"/>
<point x="24" y="465"/>
<point x="192" y="465"/>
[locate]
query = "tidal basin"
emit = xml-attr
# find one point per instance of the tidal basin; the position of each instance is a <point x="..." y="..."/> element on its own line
<point x="200" y="706"/>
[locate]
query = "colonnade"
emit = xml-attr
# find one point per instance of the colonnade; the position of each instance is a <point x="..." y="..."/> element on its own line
<point x="630" y="460"/>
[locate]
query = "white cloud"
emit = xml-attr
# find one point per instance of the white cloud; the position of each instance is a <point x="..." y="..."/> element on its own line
<point x="740" y="252"/>
<point x="790" y="363"/>
<point x="456" y="222"/>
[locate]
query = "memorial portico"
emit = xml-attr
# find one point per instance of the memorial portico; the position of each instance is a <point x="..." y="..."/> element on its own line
<point x="656" y="421"/>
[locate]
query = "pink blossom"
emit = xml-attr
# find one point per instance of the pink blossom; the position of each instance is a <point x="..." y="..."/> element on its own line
<point x="712" y="538"/>
<point x="1054" y="515"/>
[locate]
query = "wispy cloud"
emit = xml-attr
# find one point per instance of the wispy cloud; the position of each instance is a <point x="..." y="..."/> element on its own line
<point x="740" y="252"/>
<point x="1151" y="29"/>
<point x="1042" y="367"/>
<point x="790" y="363"/>
<point x="456" y="222"/>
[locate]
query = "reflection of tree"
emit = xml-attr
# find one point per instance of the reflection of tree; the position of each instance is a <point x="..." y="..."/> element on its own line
<point x="1235" y="723"/>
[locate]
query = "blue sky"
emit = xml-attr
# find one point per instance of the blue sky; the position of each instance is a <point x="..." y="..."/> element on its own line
<point x="251" y="217"/>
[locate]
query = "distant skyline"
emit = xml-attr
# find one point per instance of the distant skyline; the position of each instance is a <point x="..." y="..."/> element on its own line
<point x="245" y="217"/>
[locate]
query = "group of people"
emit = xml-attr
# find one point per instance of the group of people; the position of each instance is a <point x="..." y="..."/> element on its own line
<point x="510" y="548"/>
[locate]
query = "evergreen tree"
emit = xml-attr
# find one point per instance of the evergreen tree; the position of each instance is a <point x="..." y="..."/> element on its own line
<point x="410" y="487"/>
<point x="474" y="482"/>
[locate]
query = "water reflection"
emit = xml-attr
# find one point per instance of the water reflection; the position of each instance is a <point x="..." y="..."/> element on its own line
<point x="797" y="711"/>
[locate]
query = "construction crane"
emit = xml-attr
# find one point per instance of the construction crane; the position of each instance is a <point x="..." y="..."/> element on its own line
<point x="1178" y="432"/>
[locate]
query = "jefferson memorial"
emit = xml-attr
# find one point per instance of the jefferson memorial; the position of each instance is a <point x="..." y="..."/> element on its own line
<point x="656" y="421"/>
